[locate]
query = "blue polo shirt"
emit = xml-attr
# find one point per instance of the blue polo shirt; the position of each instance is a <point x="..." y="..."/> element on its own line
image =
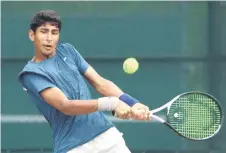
<point x="64" y="70"/>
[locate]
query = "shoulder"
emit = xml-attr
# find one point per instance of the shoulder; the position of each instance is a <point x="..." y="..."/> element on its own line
<point x="31" y="69"/>
<point x="67" y="49"/>
<point x="66" y="46"/>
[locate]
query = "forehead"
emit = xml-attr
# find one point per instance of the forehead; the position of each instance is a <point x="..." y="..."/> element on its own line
<point x="49" y="26"/>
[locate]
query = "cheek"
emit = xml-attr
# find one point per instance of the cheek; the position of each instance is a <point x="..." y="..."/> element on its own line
<point x="37" y="42"/>
<point x="56" y="40"/>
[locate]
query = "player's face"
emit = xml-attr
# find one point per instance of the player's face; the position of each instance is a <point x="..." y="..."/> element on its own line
<point x="45" y="39"/>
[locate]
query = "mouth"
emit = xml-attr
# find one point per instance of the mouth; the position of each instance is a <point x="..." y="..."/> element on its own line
<point x="48" y="46"/>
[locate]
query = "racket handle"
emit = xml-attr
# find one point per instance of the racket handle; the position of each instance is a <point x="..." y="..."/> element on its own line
<point x="157" y="118"/>
<point x="151" y="116"/>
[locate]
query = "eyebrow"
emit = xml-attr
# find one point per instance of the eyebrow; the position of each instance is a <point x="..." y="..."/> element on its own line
<point x="48" y="29"/>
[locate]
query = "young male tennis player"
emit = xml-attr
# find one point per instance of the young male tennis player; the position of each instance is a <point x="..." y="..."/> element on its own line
<point x="54" y="79"/>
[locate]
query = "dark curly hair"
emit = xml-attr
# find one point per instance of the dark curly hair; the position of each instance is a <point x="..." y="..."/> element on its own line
<point x="44" y="16"/>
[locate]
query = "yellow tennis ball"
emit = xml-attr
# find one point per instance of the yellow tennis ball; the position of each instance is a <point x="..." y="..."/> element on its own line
<point x="130" y="65"/>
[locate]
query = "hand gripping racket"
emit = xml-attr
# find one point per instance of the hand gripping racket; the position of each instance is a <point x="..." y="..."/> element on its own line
<point x="193" y="115"/>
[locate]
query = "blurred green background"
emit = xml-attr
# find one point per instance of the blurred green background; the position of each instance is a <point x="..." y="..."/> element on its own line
<point x="181" y="46"/>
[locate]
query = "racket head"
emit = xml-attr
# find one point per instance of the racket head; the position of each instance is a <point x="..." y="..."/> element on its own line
<point x="195" y="115"/>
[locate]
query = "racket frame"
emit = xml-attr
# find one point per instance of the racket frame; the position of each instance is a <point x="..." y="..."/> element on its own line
<point x="168" y="105"/>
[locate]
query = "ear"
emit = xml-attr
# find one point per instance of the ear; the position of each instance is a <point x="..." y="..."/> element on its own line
<point x="31" y="35"/>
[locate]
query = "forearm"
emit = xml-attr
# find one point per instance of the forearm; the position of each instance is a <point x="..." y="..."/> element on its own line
<point x="108" y="88"/>
<point x="75" y="107"/>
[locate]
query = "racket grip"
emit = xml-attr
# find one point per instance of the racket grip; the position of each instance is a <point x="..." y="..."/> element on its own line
<point x="113" y="113"/>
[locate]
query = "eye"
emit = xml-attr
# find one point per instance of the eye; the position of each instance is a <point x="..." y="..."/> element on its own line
<point x="43" y="31"/>
<point x="55" y="32"/>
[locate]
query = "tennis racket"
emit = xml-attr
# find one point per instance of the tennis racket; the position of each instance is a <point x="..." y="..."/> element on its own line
<point x="193" y="115"/>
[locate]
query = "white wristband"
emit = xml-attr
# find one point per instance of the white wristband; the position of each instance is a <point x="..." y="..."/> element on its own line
<point x="107" y="103"/>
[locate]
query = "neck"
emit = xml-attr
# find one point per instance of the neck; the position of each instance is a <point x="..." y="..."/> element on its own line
<point x="39" y="57"/>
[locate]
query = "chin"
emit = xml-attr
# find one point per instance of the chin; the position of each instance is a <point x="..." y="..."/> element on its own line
<point x="48" y="53"/>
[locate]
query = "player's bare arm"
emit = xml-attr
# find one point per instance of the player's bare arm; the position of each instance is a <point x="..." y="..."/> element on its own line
<point x="103" y="86"/>
<point x="108" y="88"/>
<point x="56" y="98"/>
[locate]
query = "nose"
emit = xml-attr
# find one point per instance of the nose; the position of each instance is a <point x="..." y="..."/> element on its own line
<point x="49" y="37"/>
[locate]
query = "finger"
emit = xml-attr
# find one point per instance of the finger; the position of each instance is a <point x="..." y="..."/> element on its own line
<point x="122" y="114"/>
<point x="125" y="114"/>
<point x="139" y="114"/>
<point x="129" y="114"/>
<point x="135" y="115"/>
<point x="145" y="116"/>
<point x="148" y="115"/>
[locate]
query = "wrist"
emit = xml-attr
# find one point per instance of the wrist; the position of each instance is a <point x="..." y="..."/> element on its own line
<point x="107" y="103"/>
<point x="129" y="100"/>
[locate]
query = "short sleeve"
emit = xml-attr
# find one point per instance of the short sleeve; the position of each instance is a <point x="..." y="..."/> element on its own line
<point x="35" y="83"/>
<point x="79" y="60"/>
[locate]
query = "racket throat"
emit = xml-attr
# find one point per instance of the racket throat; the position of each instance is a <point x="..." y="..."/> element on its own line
<point x="158" y="119"/>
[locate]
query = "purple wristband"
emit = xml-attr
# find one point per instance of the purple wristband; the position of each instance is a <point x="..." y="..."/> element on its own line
<point x="128" y="99"/>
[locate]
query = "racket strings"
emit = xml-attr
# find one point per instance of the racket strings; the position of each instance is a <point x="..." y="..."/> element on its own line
<point x="198" y="116"/>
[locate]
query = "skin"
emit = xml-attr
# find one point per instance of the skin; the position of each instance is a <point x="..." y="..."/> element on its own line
<point x="45" y="40"/>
